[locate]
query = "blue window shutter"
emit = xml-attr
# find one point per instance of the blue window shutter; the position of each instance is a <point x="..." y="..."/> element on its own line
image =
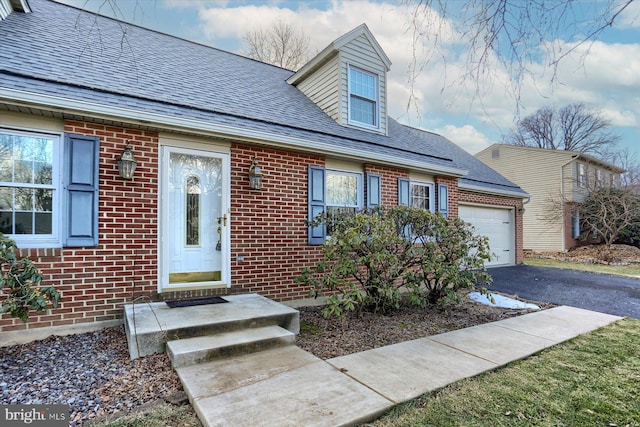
<point x="374" y="191"/>
<point x="81" y="162"/>
<point x="316" y="190"/>
<point x="443" y="200"/>
<point x="403" y="192"/>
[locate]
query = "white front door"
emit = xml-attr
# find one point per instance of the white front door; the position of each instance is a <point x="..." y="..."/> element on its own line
<point x="194" y="219"/>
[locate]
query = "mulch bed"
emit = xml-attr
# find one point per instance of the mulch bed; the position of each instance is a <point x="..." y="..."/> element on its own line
<point x="594" y="254"/>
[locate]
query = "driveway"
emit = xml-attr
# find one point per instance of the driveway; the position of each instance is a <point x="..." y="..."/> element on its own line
<point x="605" y="293"/>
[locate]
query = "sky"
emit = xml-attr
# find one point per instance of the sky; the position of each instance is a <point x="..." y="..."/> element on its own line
<point x="472" y="113"/>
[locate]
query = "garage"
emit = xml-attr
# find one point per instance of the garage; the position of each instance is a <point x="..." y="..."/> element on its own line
<point x="497" y="224"/>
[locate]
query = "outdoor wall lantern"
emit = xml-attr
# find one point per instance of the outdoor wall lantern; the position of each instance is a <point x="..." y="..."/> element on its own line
<point x="127" y="163"/>
<point x="255" y="175"/>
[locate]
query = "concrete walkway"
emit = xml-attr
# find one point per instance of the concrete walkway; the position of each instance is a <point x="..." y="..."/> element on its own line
<point x="290" y="387"/>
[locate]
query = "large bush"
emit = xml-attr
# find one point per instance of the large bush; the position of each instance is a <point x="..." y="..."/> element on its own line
<point x="372" y="255"/>
<point x="19" y="281"/>
<point x="611" y="214"/>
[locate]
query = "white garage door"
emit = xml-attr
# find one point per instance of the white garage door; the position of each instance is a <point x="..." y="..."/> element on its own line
<point x="498" y="225"/>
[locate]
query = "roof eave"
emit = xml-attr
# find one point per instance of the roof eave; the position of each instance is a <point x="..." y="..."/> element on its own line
<point x="333" y="49"/>
<point x="493" y="191"/>
<point x="310" y="66"/>
<point x="595" y="160"/>
<point x="207" y="128"/>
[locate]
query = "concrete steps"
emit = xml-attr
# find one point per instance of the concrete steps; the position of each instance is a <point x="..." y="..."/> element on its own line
<point x="150" y="327"/>
<point x="190" y="351"/>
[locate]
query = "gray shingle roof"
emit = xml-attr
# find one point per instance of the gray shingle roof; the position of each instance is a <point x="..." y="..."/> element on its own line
<point x="61" y="51"/>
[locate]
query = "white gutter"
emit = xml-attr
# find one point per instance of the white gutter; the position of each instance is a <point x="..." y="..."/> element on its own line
<point x="486" y="190"/>
<point x="210" y="129"/>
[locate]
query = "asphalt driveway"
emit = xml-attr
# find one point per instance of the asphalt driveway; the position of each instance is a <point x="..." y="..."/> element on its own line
<point x="592" y="291"/>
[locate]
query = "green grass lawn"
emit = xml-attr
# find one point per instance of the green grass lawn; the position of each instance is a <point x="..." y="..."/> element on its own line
<point x="591" y="380"/>
<point x="625" y="270"/>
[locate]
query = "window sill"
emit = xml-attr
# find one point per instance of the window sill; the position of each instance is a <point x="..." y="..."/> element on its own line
<point x="39" y="252"/>
<point x="364" y="126"/>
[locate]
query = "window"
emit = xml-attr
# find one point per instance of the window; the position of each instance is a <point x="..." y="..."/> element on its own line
<point x="29" y="192"/>
<point x="336" y="192"/>
<point x="363" y="98"/>
<point x="575" y="224"/>
<point x="42" y="203"/>
<point x="616" y="181"/>
<point x="344" y="195"/>
<point x="599" y="178"/>
<point x="192" y="217"/>
<point x="422" y="196"/>
<point x="582" y="175"/>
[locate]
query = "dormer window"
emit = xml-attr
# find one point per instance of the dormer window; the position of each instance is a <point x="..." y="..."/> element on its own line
<point x="348" y="80"/>
<point x="363" y="98"/>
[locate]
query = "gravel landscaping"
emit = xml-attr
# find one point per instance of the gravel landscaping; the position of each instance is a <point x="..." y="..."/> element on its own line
<point x="93" y="374"/>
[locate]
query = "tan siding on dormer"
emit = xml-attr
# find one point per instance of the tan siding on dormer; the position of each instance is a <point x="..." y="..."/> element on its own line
<point x="539" y="173"/>
<point x="361" y="54"/>
<point x="322" y="87"/>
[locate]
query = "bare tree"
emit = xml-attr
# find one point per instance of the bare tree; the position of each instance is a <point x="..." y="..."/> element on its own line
<point x="575" y="127"/>
<point x="609" y="212"/>
<point x="631" y="164"/>
<point x="281" y="44"/>
<point x="512" y="34"/>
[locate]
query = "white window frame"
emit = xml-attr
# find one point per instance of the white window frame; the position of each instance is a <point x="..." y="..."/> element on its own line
<point x="53" y="240"/>
<point x="431" y="186"/>
<point x="376" y="101"/>
<point x="359" y="189"/>
<point x="575" y="224"/>
<point x="359" y="186"/>
<point x="599" y="178"/>
<point x="582" y="175"/>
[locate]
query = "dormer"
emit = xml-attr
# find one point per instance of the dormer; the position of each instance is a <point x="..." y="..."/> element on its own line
<point x="348" y="80"/>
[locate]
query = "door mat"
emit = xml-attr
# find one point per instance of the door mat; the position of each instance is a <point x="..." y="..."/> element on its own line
<point x="195" y="301"/>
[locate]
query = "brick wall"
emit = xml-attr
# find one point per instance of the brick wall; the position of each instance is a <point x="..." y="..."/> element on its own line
<point x="389" y="182"/>
<point x="95" y="282"/>
<point x="268" y="233"/>
<point x="268" y="226"/>
<point x="454" y="194"/>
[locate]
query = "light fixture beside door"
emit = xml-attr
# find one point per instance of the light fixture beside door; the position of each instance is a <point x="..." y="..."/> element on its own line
<point x="255" y="175"/>
<point x="127" y="163"/>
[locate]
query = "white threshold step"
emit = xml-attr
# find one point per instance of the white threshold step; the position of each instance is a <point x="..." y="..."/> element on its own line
<point x="190" y="351"/>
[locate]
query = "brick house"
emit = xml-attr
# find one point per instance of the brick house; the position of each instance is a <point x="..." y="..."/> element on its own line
<point x="77" y="88"/>
<point x="557" y="181"/>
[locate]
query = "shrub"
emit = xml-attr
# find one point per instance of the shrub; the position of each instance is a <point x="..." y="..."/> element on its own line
<point x="450" y="257"/>
<point x="19" y="279"/>
<point x="373" y="254"/>
<point x="611" y="214"/>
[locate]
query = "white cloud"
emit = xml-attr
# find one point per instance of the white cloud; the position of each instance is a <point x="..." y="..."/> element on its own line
<point x="630" y="17"/>
<point x="604" y="75"/>
<point x="467" y="137"/>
